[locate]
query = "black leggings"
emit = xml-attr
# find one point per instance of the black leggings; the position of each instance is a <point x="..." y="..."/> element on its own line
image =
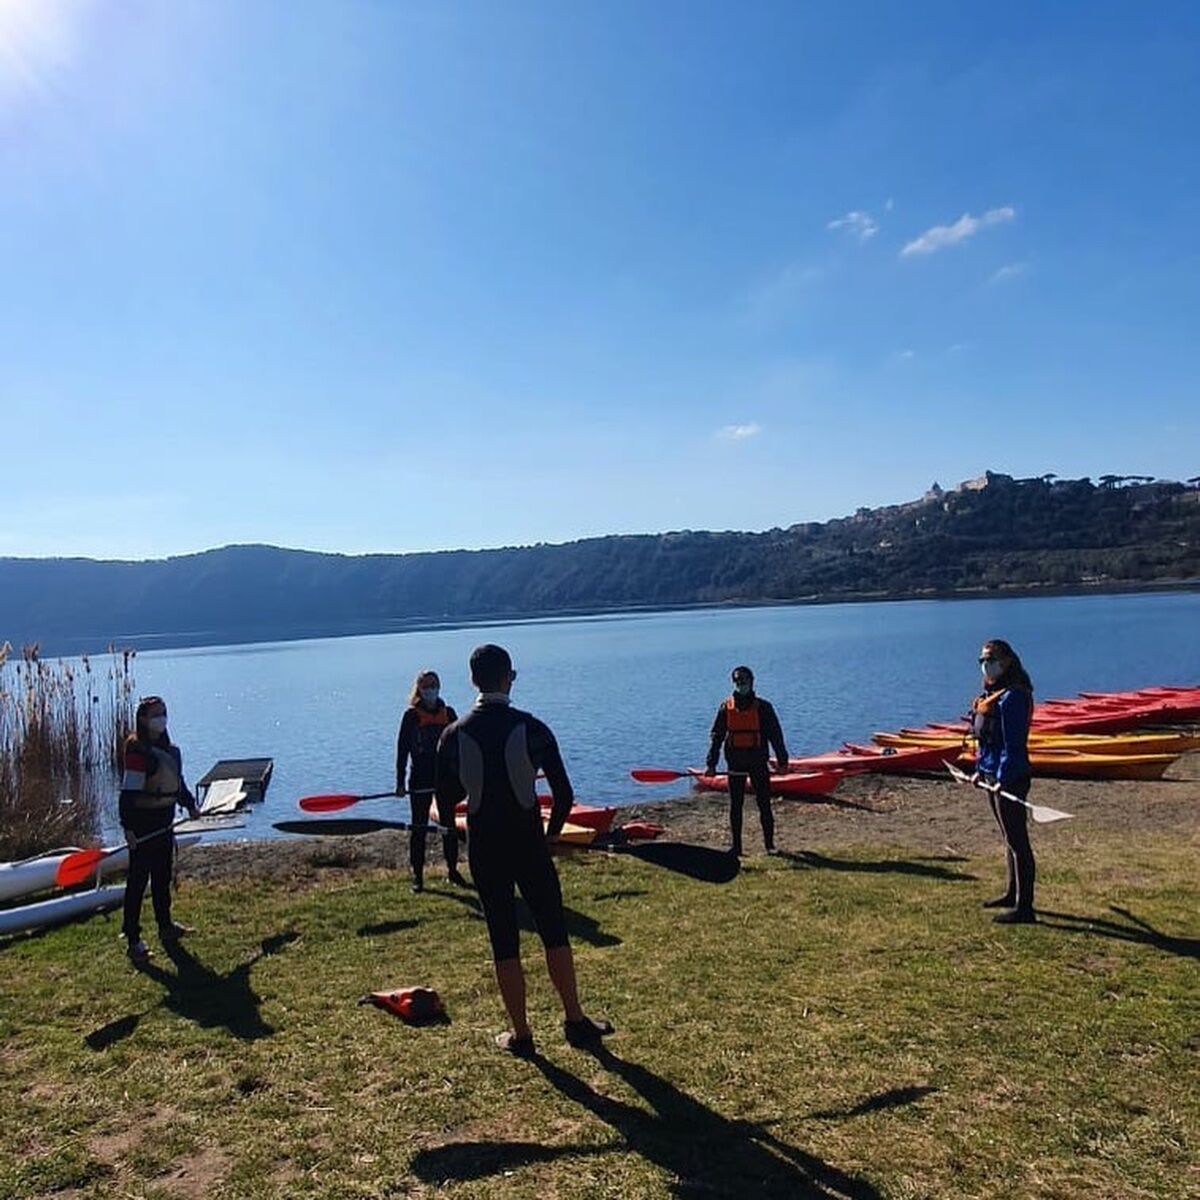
<point x="760" y="779"/>
<point x="500" y="868"/>
<point x="150" y="861"/>
<point x="1013" y="820"/>
<point x="421" y="801"/>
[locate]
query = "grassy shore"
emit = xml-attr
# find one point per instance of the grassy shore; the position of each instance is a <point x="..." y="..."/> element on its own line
<point x="843" y="1021"/>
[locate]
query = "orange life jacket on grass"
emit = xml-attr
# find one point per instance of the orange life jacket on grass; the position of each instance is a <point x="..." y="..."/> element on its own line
<point x="743" y="729"/>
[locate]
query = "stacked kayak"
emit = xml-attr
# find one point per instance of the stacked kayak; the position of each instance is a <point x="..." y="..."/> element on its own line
<point x="1090" y="737"/>
<point x="1087" y="743"/>
<point x="793" y="783"/>
<point x="852" y="759"/>
<point x="60" y="908"/>
<point x="32" y="876"/>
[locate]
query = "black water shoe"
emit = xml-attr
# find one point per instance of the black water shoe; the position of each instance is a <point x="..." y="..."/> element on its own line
<point x="586" y="1032"/>
<point x="1016" y="916"/>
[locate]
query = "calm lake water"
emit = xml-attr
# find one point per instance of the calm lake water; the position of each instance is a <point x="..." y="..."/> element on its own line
<point x="641" y="690"/>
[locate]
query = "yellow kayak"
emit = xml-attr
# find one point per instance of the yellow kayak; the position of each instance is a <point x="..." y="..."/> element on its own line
<point x="1084" y="743"/>
<point x="1069" y="764"/>
<point x="572" y="834"/>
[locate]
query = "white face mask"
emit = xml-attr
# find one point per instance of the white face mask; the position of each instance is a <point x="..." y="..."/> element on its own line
<point x="157" y="725"/>
<point x="992" y="670"/>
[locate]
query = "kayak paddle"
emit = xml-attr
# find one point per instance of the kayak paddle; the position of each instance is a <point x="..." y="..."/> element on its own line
<point x="353" y="826"/>
<point x="336" y="801"/>
<point x="663" y="775"/>
<point x="1039" y="812"/>
<point x="78" y="867"/>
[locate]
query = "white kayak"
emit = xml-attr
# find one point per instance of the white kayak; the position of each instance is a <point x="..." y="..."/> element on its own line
<point x="33" y="875"/>
<point x="60" y="908"/>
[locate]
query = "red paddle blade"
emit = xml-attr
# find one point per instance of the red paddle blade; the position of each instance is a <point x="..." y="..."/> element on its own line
<point x="331" y="803"/>
<point x="656" y="775"/>
<point x="78" y="867"/>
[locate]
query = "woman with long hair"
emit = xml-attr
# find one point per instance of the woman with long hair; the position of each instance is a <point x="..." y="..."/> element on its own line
<point x="152" y="784"/>
<point x="1000" y="718"/>
<point x="421" y="727"/>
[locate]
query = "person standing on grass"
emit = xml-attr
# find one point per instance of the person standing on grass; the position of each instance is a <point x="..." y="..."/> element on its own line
<point x="744" y="726"/>
<point x="492" y="757"/>
<point x="1000" y="718"/>
<point x="152" y="784"/>
<point x="421" y="727"/>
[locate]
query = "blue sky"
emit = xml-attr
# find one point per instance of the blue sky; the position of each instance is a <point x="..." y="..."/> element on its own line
<point x="391" y="276"/>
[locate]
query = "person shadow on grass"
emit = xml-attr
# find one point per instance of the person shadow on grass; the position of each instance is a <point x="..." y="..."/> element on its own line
<point x="198" y="993"/>
<point x="705" y="1153"/>
<point x="1134" y="929"/>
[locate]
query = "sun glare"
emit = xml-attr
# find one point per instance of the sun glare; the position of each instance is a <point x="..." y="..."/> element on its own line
<point x="37" y="41"/>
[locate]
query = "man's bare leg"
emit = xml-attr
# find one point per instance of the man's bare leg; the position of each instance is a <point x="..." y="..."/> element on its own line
<point x="561" y="965"/>
<point x="511" y="980"/>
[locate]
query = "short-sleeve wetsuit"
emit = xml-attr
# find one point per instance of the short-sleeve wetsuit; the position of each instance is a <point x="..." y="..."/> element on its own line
<point x="491" y="756"/>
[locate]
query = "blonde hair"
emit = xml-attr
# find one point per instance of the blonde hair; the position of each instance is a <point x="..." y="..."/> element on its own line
<point x="414" y="696"/>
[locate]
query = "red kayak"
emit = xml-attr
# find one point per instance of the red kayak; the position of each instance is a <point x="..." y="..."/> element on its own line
<point x="587" y="816"/>
<point x="858" y="759"/>
<point x="794" y="783"/>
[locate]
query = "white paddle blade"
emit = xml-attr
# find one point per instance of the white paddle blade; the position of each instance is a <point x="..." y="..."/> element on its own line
<point x="1044" y="815"/>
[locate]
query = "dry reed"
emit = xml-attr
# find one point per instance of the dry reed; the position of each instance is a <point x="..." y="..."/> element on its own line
<point x="61" y="725"/>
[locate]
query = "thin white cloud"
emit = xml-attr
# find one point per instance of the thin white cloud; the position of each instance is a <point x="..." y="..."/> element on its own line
<point x="739" y="433"/>
<point x="38" y="41"/>
<point x="941" y="236"/>
<point x="889" y="204"/>
<point x="1009" y="271"/>
<point x="858" y="224"/>
<point x="777" y="298"/>
<point x="907" y="354"/>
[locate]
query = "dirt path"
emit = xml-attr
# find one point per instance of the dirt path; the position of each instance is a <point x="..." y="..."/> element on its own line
<point x="924" y="815"/>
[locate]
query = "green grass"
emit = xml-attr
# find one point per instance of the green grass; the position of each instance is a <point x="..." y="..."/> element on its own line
<point x="853" y="1028"/>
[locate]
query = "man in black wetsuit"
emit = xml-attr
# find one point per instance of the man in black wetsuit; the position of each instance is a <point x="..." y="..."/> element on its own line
<point x="744" y="726"/>
<point x="492" y="756"/>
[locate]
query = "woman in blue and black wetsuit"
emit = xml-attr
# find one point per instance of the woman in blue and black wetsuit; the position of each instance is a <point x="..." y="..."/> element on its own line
<point x="1000" y="718"/>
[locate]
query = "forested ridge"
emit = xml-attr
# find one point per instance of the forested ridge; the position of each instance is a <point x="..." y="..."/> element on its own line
<point x="995" y="532"/>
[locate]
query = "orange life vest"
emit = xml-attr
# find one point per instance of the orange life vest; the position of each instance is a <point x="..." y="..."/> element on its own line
<point x="439" y="716"/>
<point x="413" y="1004"/>
<point x="743" y="729"/>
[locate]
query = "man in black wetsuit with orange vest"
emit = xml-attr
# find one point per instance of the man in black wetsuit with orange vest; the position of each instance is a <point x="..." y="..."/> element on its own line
<point x="492" y="756"/>
<point x="745" y="724"/>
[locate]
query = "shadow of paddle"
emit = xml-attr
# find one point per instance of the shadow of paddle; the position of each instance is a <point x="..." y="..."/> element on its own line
<point x="702" y="1152"/>
<point x="580" y="927"/>
<point x="899" y="866"/>
<point x="696" y="862"/>
<point x="479" y="1160"/>
<point x="113" y="1032"/>
<point x="1135" y="930"/>
<point x="382" y="928"/>
<point x="893" y="1098"/>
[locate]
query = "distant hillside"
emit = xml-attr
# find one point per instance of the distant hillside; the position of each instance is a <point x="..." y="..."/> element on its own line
<point x="994" y="532"/>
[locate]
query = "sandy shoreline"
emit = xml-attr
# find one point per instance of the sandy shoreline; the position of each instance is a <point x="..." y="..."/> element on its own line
<point x="917" y="814"/>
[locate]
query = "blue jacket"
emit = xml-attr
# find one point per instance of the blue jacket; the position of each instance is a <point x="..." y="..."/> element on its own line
<point x="1002" y="728"/>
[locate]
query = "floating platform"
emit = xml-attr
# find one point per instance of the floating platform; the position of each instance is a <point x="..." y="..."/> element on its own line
<point x="250" y="776"/>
